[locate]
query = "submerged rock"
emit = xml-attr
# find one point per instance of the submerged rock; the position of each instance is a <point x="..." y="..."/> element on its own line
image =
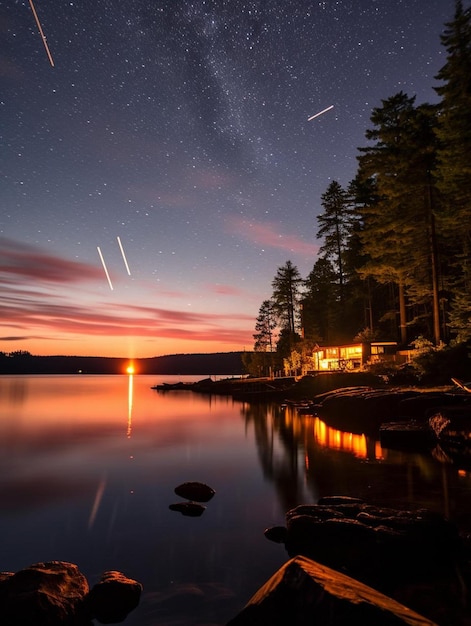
<point x="196" y="491"/>
<point x="190" y="509"/>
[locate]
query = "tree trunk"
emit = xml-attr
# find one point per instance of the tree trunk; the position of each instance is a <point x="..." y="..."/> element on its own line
<point x="402" y="314"/>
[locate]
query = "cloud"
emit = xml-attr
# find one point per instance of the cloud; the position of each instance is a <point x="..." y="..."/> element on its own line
<point x="14" y="338"/>
<point x="33" y="308"/>
<point x="225" y="290"/>
<point x="267" y="234"/>
<point x="19" y="261"/>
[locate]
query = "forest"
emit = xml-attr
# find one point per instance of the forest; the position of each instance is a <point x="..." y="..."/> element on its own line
<point x="395" y="256"/>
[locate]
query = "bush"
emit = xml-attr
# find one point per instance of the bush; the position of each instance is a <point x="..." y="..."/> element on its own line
<point x="438" y="365"/>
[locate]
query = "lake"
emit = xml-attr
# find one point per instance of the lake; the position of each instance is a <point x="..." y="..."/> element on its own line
<point x="89" y="464"/>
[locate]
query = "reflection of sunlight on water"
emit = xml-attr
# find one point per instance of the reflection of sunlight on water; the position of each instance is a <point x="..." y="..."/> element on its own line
<point x="130" y="400"/>
<point x="102" y="484"/>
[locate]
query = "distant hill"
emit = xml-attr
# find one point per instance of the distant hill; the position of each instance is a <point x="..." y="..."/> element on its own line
<point x="218" y="363"/>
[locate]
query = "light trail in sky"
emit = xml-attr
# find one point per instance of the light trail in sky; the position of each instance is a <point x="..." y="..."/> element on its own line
<point x="43" y="37"/>
<point x="320" y="113"/>
<point x="104" y="267"/>
<point x="124" y="256"/>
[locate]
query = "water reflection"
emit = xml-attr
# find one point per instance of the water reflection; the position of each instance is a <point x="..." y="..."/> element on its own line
<point x="130" y="401"/>
<point x="279" y="444"/>
<point x="88" y="466"/>
<point x="306" y="458"/>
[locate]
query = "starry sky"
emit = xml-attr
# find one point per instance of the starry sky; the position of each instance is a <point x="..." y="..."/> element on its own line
<point x="171" y="137"/>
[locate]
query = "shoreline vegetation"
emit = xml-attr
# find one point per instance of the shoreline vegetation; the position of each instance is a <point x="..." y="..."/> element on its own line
<point x="292" y="388"/>
<point x="215" y="364"/>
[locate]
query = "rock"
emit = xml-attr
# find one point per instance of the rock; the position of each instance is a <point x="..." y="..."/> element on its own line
<point x="329" y="500"/>
<point x="56" y="593"/>
<point x="413" y="555"/>
<point x="43" y="594"/>
<point x="304" y="592"/>
<point x="278" y="534"/>
<point x="390" y="539"/>
<point x="113" y="598"/>
<point x="195" y="491"/>
<point x="189" y="509"/>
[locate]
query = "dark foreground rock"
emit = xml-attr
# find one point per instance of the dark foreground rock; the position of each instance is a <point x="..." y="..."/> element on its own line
<point x="303" y="593"/>
<point x="416" y="557"/>
<point x="113" y="598"/>
<point x="56" y="593"/>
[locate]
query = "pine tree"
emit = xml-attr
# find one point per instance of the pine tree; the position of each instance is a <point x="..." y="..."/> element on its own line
<point x="320" y="304"/>
<point x="454" y="163"/>
<point x="265" y="327"/>
<point x="454" y="123"/>
<point x="286" y="292"/>
<point x="398" y="223"/>
<point x="334" y="227"/>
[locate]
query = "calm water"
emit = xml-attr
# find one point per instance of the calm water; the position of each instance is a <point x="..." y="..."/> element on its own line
<point x="88" y="465"/>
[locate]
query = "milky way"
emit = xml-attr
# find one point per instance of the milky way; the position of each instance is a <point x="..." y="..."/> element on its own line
<point x="182" y="128"/>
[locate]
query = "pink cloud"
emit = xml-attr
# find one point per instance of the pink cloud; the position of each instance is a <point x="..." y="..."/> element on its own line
<point x="20" y="261"/>
<point x="224" y="290"/>
<point x="267" y="234"/>
<point x="32" y="308"/>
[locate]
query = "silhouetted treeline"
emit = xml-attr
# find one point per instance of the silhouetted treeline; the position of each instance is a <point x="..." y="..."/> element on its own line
<point x="395" y="259"/>
<point x="223" y="363"/>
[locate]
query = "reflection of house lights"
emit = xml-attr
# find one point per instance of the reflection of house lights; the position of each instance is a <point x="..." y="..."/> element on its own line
<point x="339" y="440"/>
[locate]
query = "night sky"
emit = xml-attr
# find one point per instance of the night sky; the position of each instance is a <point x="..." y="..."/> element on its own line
<point x="181" y="128"/>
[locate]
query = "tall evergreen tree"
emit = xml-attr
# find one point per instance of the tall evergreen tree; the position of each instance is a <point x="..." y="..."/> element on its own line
<point x="265" y="327"/>
<point x="454" y="164"/>
<point x="320" y="304"/>
<point x="396" y="234"/>
<point x="454" y="123"/>
<point x="334" y="227"/>
<point x="286" y="292"/>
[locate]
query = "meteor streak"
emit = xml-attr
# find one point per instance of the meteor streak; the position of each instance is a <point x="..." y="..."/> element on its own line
<point x="43" y="37"/>
<point x="320" y="113"/>
<point x="104" y="267"/>
<point x="124" y="256"/>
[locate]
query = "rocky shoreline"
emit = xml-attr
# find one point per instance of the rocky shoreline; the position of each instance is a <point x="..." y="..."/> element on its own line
<point x="414" y="557"/>
<point x="348" y="562"/>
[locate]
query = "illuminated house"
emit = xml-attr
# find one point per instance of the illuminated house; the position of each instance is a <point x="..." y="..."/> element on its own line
<point x="353" y="356"/>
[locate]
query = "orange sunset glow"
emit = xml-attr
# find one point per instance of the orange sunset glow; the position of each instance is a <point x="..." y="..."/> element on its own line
<point x="57" y="306"/>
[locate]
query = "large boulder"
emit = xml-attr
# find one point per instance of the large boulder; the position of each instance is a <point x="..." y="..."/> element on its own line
<point x="303" y="593"/>
<point x="56" y="593"/>
<point x="113" y="598"/>
<point x="376" y="544"/>
<point x="43" y="594"/>
<point x="415" y="557"/>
